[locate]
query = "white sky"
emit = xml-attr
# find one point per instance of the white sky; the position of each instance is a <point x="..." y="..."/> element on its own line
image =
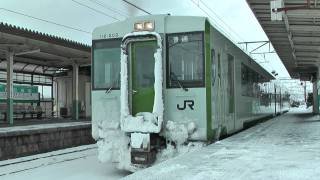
<point x="238" y="21"/>
<point x="241" y="23"/>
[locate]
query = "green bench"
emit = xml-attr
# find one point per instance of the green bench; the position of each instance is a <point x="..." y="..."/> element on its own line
<point x="22" y="110"/>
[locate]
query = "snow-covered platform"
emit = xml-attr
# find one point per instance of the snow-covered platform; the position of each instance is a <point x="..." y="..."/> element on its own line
<point x="17" y="141"/>
<point x="286" y="147"/>
<point x="37" y="127"/>
<point x="79" y="163"/>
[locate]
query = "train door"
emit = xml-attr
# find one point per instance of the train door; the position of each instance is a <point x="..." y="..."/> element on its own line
<point x="142" y="76"/>
<point x="230" y="93"/>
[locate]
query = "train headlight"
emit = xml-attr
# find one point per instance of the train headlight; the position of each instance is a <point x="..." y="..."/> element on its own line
<point x="144" y="26"/>
<point x="138" y="26"/>
<point x="148" y="26"/>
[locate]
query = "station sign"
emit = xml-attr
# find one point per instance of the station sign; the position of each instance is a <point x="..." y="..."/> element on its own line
<point x="20" y="93"/>
<point x="275" y="6"/>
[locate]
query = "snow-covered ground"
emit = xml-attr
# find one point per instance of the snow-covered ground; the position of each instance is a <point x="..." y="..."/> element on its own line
<point x="286" y="147"/>
<point x="42" y="126"/>
<point x="79" y="163"/>
<point x="301" y="109"/>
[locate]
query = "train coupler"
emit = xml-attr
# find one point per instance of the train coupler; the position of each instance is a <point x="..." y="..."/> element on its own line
<point x="141" y="152"/>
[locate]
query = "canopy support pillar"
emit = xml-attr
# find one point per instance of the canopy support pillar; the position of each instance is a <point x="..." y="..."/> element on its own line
<point x="75" y="91"/>
<point x="9" y="56"/>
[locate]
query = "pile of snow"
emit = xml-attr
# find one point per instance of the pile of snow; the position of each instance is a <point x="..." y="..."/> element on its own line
<point x="113" y="146"/>
<point x="124" y="107"/>
<point x="177" y="135"/>
<point x="172" y="151"/>
<point x="140" y="140"/>
<point x="107" y="145"/>
<point x="158" y="74"/>
<point x="103" y="122"/>
<point x="179" y="132"/>
<point x="143" y="122"/>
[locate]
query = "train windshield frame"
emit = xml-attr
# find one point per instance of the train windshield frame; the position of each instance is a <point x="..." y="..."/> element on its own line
<point x="106" y="64"/>
<point x="185" y="60"/>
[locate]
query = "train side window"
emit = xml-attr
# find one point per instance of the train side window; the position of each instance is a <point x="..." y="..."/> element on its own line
<point x="230" y="87"/>
<point x="219" y="65"/>
<point x="213" y="66"/>
<point x="250" y="80"/>
<point x="106" y="64"/>
<point x="246" y="83"/>
<point x="185" y="60"/>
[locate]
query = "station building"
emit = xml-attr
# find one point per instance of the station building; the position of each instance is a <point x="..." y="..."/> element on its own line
<point x="42" y="76"/>
<point x="45" y="86"/>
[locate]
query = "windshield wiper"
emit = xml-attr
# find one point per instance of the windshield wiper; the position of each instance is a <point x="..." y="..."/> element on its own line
<point x="179" y="83"/>
<point x="174" y="78"/>
<point x="111" y="88"/>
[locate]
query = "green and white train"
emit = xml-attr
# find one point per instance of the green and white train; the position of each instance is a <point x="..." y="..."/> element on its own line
<point x="165" y="81"/>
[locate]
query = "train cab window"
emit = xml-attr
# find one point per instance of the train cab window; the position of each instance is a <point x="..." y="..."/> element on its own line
<point x="185" y="60"/>
<point x="106" y="64"/>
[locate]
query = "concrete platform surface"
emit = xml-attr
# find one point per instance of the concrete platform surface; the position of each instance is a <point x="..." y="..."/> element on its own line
<point x="286" y="147"/>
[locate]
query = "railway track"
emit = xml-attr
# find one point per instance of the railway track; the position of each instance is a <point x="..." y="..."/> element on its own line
<point x="37" y="161"/>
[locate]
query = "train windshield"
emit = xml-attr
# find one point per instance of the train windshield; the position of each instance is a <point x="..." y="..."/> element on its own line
<point x="106" y="64"/>
<point x="186" y="60"/>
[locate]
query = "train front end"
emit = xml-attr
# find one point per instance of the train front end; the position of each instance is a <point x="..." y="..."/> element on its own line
<point x="141" y="100"/>
<point x="132" y="111"/>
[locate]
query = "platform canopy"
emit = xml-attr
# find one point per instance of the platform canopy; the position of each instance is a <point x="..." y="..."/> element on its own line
<point x="295" y="35"/>
<point x="40" y="53"/>
<point x="31" y="57"/>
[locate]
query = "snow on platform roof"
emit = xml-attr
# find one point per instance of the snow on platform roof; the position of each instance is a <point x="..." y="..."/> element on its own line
<point x="40" y="53"/>
<point x="295" y="37"/>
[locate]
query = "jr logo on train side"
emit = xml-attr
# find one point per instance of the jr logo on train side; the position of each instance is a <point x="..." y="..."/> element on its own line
<point x="189" y="103"/>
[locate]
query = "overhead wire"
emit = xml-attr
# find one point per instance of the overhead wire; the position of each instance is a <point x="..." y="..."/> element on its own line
<point x="110" y="8"/>
<point x="221" y="20"/>
<point x="137" y="7"/>
<point x="213" y="12"/>
<point x="231" y="37"/>
<point x="44" y="20"/>
<point x="96" y="10"/>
